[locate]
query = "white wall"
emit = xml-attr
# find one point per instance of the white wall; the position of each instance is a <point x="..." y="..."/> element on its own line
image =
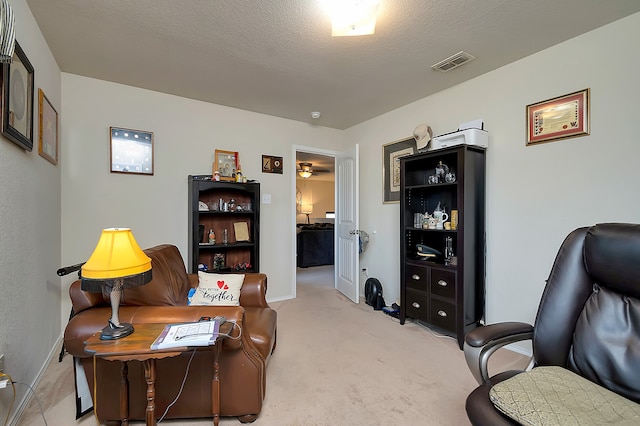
<point x="29" y="232"/>
<point x="186" y="134"/>
<point x="320" y="193"/>
<point x="535" y="195"/>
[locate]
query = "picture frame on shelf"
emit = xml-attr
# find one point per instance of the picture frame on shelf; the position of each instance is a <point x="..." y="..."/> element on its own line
<point x="226" y="163"/>
<point x="17" y="99"/>
<point x="131" y="151"/>
<point x="48" y="125"/>
<point x="563" y="117"/>
<point x="391" y="154"/>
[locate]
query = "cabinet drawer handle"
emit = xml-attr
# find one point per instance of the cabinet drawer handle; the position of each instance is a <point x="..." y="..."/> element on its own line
<point x="442" y="313"/>
<point x="442" y="283"/>
<point x="416" y="305"/>
<point x="415" y="277"/>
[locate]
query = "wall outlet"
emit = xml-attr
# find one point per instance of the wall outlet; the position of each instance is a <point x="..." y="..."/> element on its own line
<point x="2" y="363"/>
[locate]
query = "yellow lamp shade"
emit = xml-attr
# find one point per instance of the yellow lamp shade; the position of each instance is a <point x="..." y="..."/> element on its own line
<point x="116" y="255"/>
<point x="306" y="209"/>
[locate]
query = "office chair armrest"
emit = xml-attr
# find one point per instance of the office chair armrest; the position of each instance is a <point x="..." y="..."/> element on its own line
<point x="480" y="343"/>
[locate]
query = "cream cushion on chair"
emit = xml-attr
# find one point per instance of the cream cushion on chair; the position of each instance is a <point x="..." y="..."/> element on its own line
<point x="556" y="396"/>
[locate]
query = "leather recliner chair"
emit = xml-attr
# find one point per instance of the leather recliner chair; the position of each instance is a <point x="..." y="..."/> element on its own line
<point x="588" y="320"/>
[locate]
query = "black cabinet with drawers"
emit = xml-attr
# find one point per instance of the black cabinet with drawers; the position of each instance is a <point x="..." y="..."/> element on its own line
<point x="446" y="291"/>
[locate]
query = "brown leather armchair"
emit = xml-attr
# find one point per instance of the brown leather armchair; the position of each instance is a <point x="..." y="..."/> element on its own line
<point x="588" y="320"/>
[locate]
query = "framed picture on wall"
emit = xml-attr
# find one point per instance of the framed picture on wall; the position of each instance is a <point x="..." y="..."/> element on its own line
<point x="391" y="154"/>
<point x="563" y="117"/>
<point x="131" y="151"/>
<point x="17" y="100"/>
<point x="48" y="124"/>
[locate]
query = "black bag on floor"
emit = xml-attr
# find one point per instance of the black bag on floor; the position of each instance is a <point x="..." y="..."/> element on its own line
<point x="373" y="294"/>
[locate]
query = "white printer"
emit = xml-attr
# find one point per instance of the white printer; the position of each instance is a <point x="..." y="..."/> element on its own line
<point x="461" y="137"/>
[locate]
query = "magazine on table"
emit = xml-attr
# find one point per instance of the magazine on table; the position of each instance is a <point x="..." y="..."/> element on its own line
<point x="201" y="333"/>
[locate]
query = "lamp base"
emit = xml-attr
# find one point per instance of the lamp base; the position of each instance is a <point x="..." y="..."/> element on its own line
<point x="112" y="332"/>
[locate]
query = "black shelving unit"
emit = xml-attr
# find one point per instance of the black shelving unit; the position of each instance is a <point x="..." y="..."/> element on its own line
<point x="239" y="256"/>
<point x="446" y="296"/>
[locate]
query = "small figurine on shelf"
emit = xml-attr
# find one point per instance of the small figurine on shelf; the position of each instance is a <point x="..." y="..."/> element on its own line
<point x="212" y="237"/>
<point x="441" y="171"/>
<point x="216" y="175"/>
<point x="218" y="261"/>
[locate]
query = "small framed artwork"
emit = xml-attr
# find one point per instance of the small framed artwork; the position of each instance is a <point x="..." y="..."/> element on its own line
<point x="226" y="163"/>
<point x="131" y="151"/>
<point x="17" y="100"/>
<point x="48" y="124"/>
<point x="271" y="164"/>
<point x="391" y="154"/>
<point x="563" y="117"/>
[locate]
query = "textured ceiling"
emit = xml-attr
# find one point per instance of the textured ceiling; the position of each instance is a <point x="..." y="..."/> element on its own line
<point x="278" y="57"/>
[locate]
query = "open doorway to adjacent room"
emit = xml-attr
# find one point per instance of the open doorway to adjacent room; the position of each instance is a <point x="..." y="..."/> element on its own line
<point x="315" y="219"/>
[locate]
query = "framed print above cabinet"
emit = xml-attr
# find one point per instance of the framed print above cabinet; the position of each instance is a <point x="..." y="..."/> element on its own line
<point x="17" y="100"/>
<point x="391" y="154"/>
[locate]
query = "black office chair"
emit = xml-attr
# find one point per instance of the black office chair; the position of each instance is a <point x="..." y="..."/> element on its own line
<point x="588" y="320"/>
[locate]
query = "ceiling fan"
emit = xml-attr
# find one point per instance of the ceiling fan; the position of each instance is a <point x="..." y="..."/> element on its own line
<point x="305" y="170"/>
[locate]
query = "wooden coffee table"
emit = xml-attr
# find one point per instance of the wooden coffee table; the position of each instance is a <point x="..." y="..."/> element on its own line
<point x="137" y="347"/>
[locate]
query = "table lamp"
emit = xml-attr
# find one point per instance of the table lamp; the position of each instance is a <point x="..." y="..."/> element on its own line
<point x="117" y="263"/>
<point x="307" y="209"/>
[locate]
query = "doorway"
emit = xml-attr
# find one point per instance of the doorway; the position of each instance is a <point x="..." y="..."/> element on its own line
<point x="315" y="218"/>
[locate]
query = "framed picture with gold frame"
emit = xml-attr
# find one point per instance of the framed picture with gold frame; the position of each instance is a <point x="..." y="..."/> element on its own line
<point x="563" y="117"/>
<point x="48" y="124"/>
<point x="225" y="163"/>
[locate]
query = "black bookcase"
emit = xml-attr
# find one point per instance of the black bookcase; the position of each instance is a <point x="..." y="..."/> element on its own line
<point x="219" y="206"/>
<point x="444" y="294"/>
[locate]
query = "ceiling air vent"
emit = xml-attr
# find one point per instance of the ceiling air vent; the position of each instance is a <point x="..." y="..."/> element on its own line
<point x="453" y="61"/>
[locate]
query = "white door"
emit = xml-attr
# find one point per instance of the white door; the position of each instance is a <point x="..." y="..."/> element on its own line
<point x="347" y="238"/>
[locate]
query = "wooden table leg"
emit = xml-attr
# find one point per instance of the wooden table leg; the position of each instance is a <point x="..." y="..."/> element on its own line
<point x="124" y="393"/>
<point x="215" y="384"/>
<point x="150" y="377"/>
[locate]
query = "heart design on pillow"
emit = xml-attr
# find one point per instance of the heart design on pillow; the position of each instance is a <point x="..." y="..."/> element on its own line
<point x="222" y="285"/>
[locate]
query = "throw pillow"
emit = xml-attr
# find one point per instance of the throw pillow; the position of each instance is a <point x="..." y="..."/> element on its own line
<point x="218" y="289"/>
<point x="556" y="396"/>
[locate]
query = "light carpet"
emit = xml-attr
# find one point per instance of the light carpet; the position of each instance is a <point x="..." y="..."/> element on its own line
<point x="336" y="363"/>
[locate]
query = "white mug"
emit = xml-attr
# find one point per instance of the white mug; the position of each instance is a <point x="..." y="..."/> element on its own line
<point x="441" y="220"/>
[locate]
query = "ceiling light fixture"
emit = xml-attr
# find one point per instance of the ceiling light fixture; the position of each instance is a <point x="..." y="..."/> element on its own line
<point x="353" y="17"/>
<point x="305" y="170"/>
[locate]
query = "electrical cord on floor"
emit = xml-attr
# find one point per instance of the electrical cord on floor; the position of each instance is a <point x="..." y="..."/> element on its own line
<point x="184" y="380"/>
<point x="14" y="397"/>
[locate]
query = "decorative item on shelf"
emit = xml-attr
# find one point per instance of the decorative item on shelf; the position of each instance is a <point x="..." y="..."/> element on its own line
<point x="441" y="216"/>
<point x="239" y="177"/>
<point x="116" y="263"/>
<point x="202" y="267"/>
<point x="422" y="134"/>
<point x="201" y="233"/>
<point x="226" y="164"/>
<point x="450" y="177"/>
<point x="225" y="236"/>
<point x="212" y="237"/>
<point x="448" y="250"/>
<point x="441" y="171"/>
<point x="216" y="175"/>
<point x="244" y="266"/>
<point x="241" y="230"/>
<point x="232" y="204"/>
<point x="454" y="220"/>
<point x="432" y="179"/>
<point x="418" y="218"/>
<point x="218" y="261"/>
